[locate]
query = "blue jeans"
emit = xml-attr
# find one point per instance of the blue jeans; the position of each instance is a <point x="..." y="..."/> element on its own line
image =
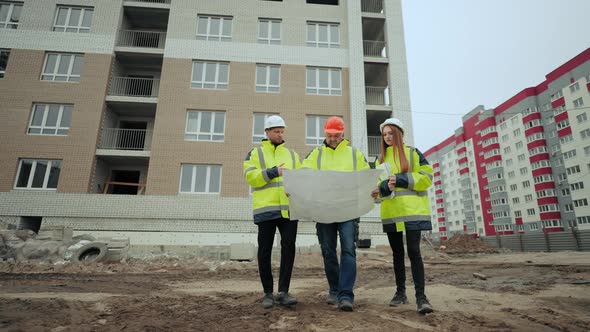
<point x="340" y="278"/>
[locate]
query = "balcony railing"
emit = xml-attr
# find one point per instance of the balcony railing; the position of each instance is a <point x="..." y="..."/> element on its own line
<point x="147" y="39"/>
<point x="377" y="95"/>
<point x="124" y="139"/>
<point x="372" y="6"/>
<point x="151" y="1"/>
<point x="374" y="48"/>
<point x="374" y="146"/>
<point x="134" y="87"/>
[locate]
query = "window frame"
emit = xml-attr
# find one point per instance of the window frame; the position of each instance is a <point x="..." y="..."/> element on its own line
<point x="331" y="90"/>
<point x="266" y="87"/>
<point x="7" y="52"/>
<point x="4" y="24"/>
<point x="254" y="134"/>
<point x="269" y="40"/>
<point x="69" y="74"/>
<point x="199" y="132"/>
<point x="219" y="37"/>
<point x="79" y="28"/>
<point x="58" y="124"/>
<point x="193" y="179"/>
<point x="316" y="26"/>
<point x="319" y="129"/>
<point x="32" y="172"/>
<point x="217" y="84"/>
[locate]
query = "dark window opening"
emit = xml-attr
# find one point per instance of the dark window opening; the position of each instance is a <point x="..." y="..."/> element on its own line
<point x="324" y="2"/>
<point x="32" y="223"/>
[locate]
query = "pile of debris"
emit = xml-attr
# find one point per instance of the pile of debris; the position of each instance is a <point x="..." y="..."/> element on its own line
<point x="54" y="245"/>
<point x="464" y="243"/>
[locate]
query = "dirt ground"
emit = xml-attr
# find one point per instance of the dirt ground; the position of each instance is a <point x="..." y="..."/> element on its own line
<point x="523" y="292"/>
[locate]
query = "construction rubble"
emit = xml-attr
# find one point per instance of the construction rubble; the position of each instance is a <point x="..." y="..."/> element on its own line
<point x="464" y="243"/>
<point x="58" y="245"/>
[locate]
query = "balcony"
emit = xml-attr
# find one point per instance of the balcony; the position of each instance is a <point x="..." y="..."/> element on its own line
<point x="374" y="49"/>
<point x="157" y="4"/>
<point x="123" y="142"/>
<point x="372" y="6"/>
<point x="133" y="90"/>
<point x="149" y="41"/>
<point x="377" y="95"/>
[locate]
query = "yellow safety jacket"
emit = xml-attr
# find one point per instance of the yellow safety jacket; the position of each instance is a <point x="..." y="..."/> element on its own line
<point x="343" y="158"/>
<point x="269" y="200"/>
<point x="410" y="204"/>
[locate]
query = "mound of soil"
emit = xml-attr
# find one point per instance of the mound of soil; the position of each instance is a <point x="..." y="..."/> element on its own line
<point x="464" y="243"/>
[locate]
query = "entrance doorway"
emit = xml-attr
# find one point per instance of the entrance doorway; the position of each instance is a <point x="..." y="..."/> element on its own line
<point x="125" y="176"/>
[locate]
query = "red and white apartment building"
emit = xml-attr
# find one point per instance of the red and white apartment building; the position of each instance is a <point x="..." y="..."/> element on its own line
<point x="522" y="167"/>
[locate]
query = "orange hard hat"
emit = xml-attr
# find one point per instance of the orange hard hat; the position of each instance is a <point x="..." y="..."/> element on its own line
<point x="334" y="125"/>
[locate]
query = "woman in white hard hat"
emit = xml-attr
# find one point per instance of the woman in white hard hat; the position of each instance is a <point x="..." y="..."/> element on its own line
<point x="404" y="207"/>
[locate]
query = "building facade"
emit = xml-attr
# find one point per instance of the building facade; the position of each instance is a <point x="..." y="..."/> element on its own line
<point x="522" y="167"/>
<point x="132" y="118"/>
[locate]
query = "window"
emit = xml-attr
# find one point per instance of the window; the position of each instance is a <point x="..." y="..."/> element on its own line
<point x="73" y="19"/>
<point x="558" y="94"/>
<point x="587" y="150"/>
<point x="581" y="202"/>
<point x="258" y="127"/>
<point x="526" y="184"/>
<point x="565" y="192"/>
<point x="37" y="174"/>
<point x="210" y="75"/>
<point x="528" y="198"/>
<point x="578" y="102"/>
<point x="585" y="133"/>
<point x="583" y="220"/>
<point x="513" y="187"/>
<point x="569" y="208"/>
<point x="503" y="126"/>
<point x="551" y="223"/>
<point x="323" y="34"/>
<point x="574" y="87"/>
<point x="62" y="67"/>
<point x="511" y="174"/>
<point x="314" y="132"/>
<point x="563" y="124"/>
<point x="566" y="139"/>
<point x="505" y="138"/>
<point x="50" y="119"/>
<point x="582" y="117"/>
<point x="521" y="157"/>
<point x="531" y="212"/>
<point x="268" y="78"/>
<point x="569" y="154"/>
<point x="534" y="227"/>
<point x="509" y="162"/>
<point x="519" y="145"/>
<point x="507" y="149"/>
<point x="200" y="178"/>
<point x="523" y="171"/>
<point x="517" y="214"/>
<point x="515" y="200"/>
<point x="577" y="186"/>
<point x="4" y="54"/>
<point x="269" y="31"/>
<point x="323" y="81"/>
<point x="562" y="177"/>
<point x="10" y="15"/>
<point x="204" y="126"/>
<point x="216" y="28"/>
<point x="573" y="170"/>
<point x="516" y="132"/>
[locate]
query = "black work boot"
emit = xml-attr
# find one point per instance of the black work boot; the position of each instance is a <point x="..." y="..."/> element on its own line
<point x="268" y="301"/>
<point x="398" y="299"/>
<point x="284" y="298"/>
<point x="422" y="304"/>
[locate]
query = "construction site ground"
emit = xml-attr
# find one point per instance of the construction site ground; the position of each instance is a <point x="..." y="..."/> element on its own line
<point x="521" y="292"/>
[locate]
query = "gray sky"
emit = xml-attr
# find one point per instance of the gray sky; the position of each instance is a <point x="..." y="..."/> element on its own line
<point x="464" y="53"/>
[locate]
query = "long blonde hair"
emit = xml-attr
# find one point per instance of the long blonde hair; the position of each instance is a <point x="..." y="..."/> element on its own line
<point x="397" y="148"/>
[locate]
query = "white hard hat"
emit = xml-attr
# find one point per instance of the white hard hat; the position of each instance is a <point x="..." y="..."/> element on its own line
<point x="274" y="121"/>
<point x="392" y="121"/>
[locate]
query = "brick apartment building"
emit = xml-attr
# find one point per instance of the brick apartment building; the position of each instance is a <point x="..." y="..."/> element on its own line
<point x="132" y="118"/>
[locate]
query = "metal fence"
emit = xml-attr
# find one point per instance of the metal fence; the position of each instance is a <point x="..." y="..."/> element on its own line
<point x="374" y="143"/>
<point x="372" y="6"/>
<point x="574" y="240"/>
<point x="375" y="48"/>
<point x="147" y="39"/>
<point x="377" y="95"/>
<point x="134" y="87"/>
<point x="124" y="139"/>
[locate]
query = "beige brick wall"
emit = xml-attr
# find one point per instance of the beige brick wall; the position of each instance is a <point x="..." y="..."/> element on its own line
<point x="240" y="102"/>
<point x="22" y="87"/>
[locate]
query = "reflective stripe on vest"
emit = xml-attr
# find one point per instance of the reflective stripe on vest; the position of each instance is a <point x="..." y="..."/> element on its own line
<point x="263" y="164"/>
<point x="394" y="220"/>
<point x="410" y="177"/>
<point x="353" y="158"/>
<point x="271" y="209"/>
<point x="269" y="185"/>
<point x="410" y="193"/>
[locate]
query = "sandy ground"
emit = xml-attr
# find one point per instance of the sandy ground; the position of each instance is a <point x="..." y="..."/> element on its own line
<point x="523" y="292"/>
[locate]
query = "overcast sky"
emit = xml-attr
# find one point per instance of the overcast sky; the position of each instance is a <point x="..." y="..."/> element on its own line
<point x="464" y="53"/>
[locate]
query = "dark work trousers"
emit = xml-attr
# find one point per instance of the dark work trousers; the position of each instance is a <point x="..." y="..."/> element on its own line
<point x="266" y="236"/>
<point x="396" y="242"/>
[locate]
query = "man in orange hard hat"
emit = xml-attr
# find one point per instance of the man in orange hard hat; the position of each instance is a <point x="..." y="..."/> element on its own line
<point x="336" y="155"/>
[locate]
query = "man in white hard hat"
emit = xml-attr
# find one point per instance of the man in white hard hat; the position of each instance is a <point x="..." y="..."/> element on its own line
<point x="263" y="169"/>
